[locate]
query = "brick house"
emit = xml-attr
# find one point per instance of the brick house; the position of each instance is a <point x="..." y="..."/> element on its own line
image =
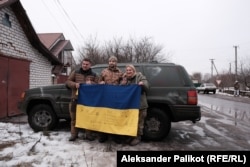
<point x="25" y="62"/>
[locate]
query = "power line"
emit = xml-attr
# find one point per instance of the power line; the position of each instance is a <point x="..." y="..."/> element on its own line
<point x="70" y="20"/>
<point x="52" y="14"/>
<point x="48" y="7"/>
<point x="65" y="18"/>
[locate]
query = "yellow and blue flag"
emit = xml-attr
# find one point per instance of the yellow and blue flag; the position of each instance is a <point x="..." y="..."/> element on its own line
<point x="109" y="108"/>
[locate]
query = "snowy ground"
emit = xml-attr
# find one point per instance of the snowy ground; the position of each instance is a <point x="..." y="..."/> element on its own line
<point x="20" y="146"/>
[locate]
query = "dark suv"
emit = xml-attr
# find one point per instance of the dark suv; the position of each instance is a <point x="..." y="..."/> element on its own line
<point x="172" y="97"/>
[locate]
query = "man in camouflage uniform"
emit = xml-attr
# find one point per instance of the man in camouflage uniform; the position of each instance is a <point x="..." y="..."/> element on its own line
<point x="111" y="75"/>
<point x="83" y="75"/>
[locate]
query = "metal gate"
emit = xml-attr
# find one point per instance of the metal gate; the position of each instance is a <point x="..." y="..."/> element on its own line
<point x="14" y="77"/>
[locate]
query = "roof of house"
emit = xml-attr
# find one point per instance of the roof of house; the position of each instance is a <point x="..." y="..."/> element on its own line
<point x="49" y="39"/>
<point x="65" y="44"/>
<point x="4" y="3"/>
<point x="55" y="42"/>
<point x="28" y="29"/>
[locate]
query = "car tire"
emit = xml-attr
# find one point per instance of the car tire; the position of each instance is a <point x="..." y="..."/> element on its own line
<point x="157" y="125"/>
<point x="42" y="117"/>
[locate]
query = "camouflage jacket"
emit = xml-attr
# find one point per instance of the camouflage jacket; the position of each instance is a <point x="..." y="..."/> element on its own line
<point x="111" y="76"/>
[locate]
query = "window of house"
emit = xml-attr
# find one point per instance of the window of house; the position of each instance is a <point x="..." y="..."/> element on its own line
<point x="6" y="20"/>
<point x="64" y="70"/>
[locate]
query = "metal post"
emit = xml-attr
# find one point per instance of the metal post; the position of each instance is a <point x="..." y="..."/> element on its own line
<point x="235" y="48"/>
<point x="212" y="63"/>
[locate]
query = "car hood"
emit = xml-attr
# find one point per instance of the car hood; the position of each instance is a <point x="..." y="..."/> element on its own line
<point x="52" y="87"/>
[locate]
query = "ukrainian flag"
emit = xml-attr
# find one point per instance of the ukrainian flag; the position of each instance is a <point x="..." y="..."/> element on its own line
<point x="109" y="108"/>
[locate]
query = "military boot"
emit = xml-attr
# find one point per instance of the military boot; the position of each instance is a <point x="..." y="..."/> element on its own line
<point x="74" y="133"/>
<point x="73" y="138"/>
<point x="135" y="141"/>
<point x="89" y="135"/>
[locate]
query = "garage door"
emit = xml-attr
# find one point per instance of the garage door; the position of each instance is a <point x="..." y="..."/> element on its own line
<point x="14" y="76"/>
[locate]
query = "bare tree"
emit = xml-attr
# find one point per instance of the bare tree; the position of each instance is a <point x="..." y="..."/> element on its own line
<point x="143" y="50"/>
<point x="197" y="76"/>
<point x="244" y="75"/>
<point x="91" y="50"/>
<point x="115" y="48"/>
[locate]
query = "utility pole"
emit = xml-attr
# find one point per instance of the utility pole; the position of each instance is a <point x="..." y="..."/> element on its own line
<point x="217" y="78"/>
<point x="229" y="68"/>
<point x="212" y="62"/>
<point x="213" y="65"/>
<point x="235" y="48"/>
<point x="215" y="69"/>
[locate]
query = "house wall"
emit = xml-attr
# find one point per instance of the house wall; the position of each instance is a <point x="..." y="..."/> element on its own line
<point x="14" y="43"/>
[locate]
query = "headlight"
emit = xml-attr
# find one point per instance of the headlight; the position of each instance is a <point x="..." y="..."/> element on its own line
<point x="22" y="95"/>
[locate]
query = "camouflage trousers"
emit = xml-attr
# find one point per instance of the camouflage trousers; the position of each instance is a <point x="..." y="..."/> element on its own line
<point x="142" y="116"/>
<point x="72" y="111"/>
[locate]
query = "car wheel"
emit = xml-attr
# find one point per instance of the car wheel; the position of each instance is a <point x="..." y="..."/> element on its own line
<point x="157" y="125"/>
<point x="214" y="91"/>
<point x="42" y="117"/>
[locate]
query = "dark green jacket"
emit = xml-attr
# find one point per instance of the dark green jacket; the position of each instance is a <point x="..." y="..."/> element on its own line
<point x="145" y="87"/>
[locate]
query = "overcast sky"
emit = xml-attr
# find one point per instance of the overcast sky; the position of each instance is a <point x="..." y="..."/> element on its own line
<point x="192" y="31"/>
